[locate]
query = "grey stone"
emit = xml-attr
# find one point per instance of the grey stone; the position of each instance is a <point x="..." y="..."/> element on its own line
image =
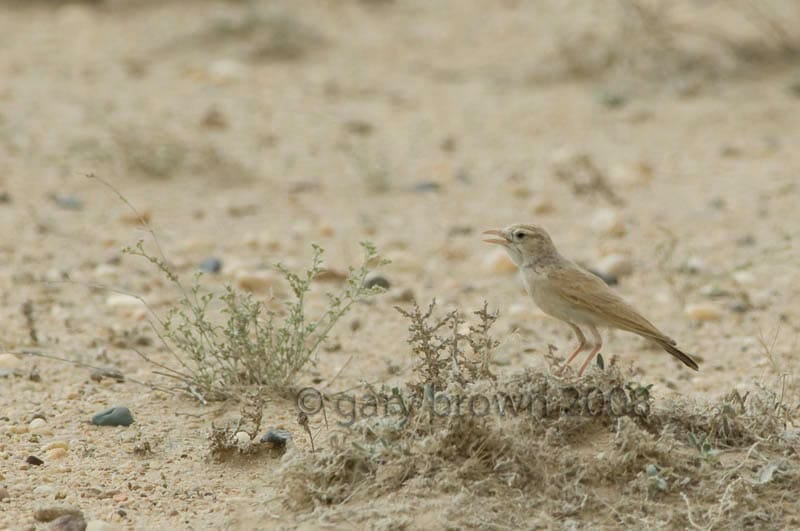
<point x="115" y="416"/>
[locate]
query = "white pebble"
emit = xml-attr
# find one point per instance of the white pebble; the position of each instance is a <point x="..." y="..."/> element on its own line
<point x="10" y="361"/>
<point x="121" y="300"/>
<point x="744" y="278"/>
<point x="37" y="423"/>
<point x="57" y="444"/>
<point x="105" y="270"/>
<point x="608" y="221"/>
<point x="703" y="311"/>
<point x="695" y="264"/>
<point x="56" y="453"/>
<point x="617" y="265"/>
<point x="498" y="261"/>
<point x="242" y="439"/>
<point x="226" y="71"/>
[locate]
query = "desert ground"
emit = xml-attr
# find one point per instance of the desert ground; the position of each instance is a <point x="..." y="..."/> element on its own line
<point x="656" y="142"/>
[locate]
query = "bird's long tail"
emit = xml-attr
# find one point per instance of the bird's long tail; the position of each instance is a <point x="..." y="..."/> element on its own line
<point x="675" y="351"/>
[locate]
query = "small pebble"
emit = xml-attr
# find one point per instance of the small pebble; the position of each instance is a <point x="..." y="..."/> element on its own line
<point x="543" y="205"/>
<point x="98" y="375"/>
<point x="460" y="230"/>
<point x="329" y="274"/>
<point x="611" y="99"/>
<point x="57" y="444"/>
<point x="374" y="279"/>
<point x="498" y="261"/>
<point x="214" y="119"/>
<point x="141" y="217"/>
<point x="105" y="270"/>
<point x="33" y="460"/>
<point x="210" y="265"/>
<point x="326" y="231"/>
<point x="67" y="202"/>
<point x="703" y="311"/>
<point x="255" y="281"/>
<point x="744" y="278"/>
<point x="695" y="264"/>
<point x="226" y="71"/>
<point x="48" y="514"/>
<point x="402" y="295"/>
<point x="10" y="361"/>
<point x="115" y="416"/>
<point x="521" y="191"/>
<point x="627" y="175"/>
<point x="608" y="221"/>
<point x="37" y="423"/>
<point x="608" y="278"/>
<point x="4" y="493"/>
<point x="242" y="439"/>
<point x="426" y="186"/>
<point x="68" y="522"/>
<point x="617" y="265"/>
<point x="739" y="307"/>
<point x="121" y="300"/>
<point x="276" y="437"/>
<point x="56" y="453"/>
<point x="358" y="127"/>
<point x="718" y="203"/>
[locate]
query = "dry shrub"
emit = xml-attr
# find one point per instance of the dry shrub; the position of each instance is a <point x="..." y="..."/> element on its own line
<point x="664" y="40"/>
<point x="224" y="442"/>
<point x="604" y="459"/>
<point x="258" y="31"/>
<point x="163" y="155"/>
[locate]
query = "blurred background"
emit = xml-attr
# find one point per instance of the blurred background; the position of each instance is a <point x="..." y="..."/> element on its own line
<point x="655" y="140"/>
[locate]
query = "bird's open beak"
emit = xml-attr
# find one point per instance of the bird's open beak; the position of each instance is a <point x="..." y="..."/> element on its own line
<point x="503" y="240"/>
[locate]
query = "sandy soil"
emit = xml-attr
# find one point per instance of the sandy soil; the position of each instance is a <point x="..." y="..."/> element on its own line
<point x="320" y="123"/>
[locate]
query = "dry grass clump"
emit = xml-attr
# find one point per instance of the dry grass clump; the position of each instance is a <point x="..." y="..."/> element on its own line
<point x="600" y="449"/>
<point x="163" y="155"/>
<point x="661" y="40"/>
<point x="260" y="32"/>
<point x="239" y="436"/>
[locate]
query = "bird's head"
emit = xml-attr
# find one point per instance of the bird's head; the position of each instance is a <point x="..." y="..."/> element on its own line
<point x="524" y="243"/>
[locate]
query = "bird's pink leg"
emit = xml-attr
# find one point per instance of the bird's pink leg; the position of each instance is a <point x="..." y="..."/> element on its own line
<point x="581" y="346"/>
<point x="598" y="344"/>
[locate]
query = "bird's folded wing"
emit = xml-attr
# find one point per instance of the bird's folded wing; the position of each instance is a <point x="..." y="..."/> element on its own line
<point x="589" y="293"/>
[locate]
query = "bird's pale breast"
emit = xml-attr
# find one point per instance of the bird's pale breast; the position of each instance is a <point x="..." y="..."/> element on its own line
<point x="540" y="288"/>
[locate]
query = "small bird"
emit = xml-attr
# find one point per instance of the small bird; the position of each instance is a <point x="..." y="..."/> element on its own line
<point x="571" y="294"/>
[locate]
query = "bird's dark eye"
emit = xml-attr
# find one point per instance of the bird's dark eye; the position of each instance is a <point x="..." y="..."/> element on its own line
<point x="519" y="235"/>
